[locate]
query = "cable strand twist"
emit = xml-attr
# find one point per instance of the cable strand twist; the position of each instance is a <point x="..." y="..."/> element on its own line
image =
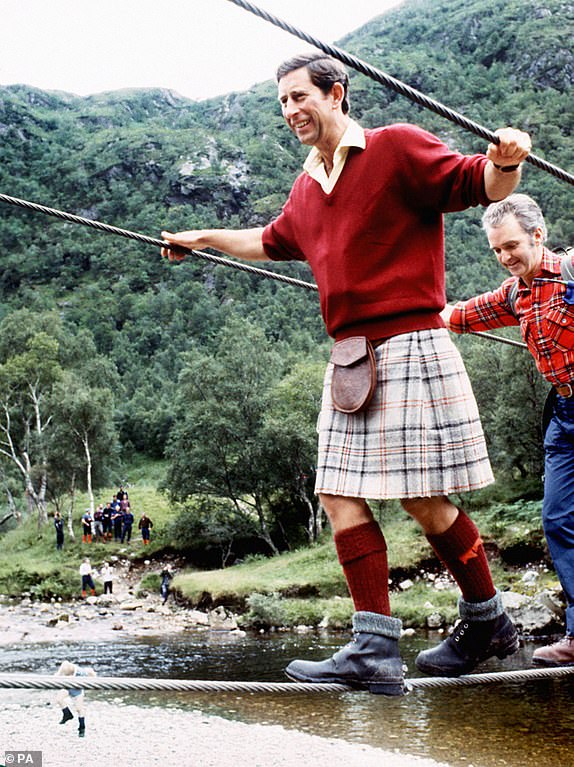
<point x="398" y="86"/>
<point x="45" y="682"/>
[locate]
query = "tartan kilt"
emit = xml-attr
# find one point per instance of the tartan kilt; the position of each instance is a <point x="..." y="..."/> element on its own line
<point x="421" y="435"/>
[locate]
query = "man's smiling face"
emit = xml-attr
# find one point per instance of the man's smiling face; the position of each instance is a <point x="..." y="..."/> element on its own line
<point x="308" y="112"/>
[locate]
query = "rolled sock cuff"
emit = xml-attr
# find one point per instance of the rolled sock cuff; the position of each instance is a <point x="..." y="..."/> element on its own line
<point x="375" y="623"/>
<point x="356" y="542"/>
<point x="481" y="611"/>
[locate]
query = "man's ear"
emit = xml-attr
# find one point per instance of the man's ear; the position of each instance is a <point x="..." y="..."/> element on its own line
<point x="337" y="94"/>
<point x="538" y="235"/>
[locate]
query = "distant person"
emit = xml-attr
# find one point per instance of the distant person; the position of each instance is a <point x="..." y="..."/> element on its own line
<point x="107" y="576"/>
<point x="99" y="524"/>
<point x="87" y="579"/>
<point x="166" y="578"/>
<point x="367" y="214"/>
<point x="122" y="494"/>
<point x="59" y="525"/>
<point x="145" y="524"/>
<point x="87" y="521"/>
<point x="117" y="521"/>
<point x="73" y="700"/>
<point x="538" y="298"/>
<point x="107" y="521"/>
<point x="127" y="525"/>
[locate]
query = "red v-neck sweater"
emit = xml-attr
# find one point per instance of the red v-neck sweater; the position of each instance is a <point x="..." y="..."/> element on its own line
<point x="376" y="243"/>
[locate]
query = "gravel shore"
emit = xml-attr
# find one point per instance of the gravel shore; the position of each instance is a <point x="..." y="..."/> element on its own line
<point x="133" y="736"/>
<point x="126" y="735"/>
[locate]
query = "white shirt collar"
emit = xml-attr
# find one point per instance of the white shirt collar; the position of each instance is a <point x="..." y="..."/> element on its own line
<point x="354" y="136"/>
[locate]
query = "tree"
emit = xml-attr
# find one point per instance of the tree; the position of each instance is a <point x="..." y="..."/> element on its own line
<point x="53" y="424"/>
<point x="207" y="524"/>
<point x="290" y="431"/>
<point x="216" y="447"/>
<point x="83" y="439"/>
<point x="29" y="366"/>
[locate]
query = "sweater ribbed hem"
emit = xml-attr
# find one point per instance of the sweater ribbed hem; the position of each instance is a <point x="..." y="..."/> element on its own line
<point x="375" y="623"/>
<point x="380" y="328"/>
<point x="481" y="611"/>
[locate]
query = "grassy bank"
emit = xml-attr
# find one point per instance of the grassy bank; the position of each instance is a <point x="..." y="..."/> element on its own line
<point x="30" y="563"/>
<point x="299" y="587"/>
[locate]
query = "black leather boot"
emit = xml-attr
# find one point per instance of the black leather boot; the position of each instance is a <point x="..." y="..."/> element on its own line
<point x="471" y="642"/>
<point x="66" y="715"/>
<point x="371" y="661"/>
<point x="82" y="726"/>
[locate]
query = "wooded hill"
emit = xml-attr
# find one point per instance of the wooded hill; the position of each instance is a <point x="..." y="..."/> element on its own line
<point x="99" y="330"/>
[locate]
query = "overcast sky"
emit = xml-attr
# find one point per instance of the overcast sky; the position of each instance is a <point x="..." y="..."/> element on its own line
<point x="199" y="48"/>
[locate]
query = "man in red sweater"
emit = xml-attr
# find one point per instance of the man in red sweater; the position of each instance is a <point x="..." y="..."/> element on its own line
<point x="366" y="213"/>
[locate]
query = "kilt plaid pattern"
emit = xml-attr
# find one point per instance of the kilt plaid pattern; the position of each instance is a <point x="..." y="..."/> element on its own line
<point x="421" y="435"/>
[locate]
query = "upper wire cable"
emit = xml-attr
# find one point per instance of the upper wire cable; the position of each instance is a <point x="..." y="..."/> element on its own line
<point x="399" y="87"/>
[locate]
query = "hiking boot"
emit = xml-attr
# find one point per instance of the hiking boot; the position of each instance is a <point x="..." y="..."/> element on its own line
<point x="560" y="653"/>
<point x="371" y="661"/>
<point x="66" y="715"/>
<point x="471" y="642"/>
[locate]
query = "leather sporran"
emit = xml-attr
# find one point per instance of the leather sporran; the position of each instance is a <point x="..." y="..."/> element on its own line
<point x="354" y="374"/>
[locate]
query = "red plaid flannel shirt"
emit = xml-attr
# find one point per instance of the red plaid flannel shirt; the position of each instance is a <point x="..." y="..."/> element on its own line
<point x="546" y="321"/>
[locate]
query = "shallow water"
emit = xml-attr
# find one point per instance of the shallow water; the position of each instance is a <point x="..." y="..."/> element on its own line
<point x="521" y="724"/>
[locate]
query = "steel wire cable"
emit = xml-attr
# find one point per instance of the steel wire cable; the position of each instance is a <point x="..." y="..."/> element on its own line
<point x="45" y="682"/>
<point x="102" y="227"/>
<point x="219" y="260"/>
<point x="398" y="86"/>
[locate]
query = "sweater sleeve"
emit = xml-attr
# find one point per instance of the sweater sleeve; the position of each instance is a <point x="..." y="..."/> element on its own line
<point x="279" y="241"/>
<point x="438" y="177"/>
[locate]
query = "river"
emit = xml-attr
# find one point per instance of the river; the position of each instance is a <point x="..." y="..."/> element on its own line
<point x="517" y="725"/>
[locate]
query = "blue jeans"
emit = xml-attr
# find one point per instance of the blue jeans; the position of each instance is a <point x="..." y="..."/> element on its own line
<point x="558" y="505"/>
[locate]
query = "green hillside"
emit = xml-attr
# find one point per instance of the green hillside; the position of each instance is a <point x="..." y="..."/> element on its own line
<point x="214" y="371"/>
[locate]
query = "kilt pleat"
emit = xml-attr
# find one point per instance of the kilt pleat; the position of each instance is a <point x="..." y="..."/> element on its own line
<point x="421" y="435"/>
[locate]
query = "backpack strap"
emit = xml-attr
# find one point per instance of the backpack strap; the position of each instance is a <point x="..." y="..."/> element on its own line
<point x="512" y="296"/>
<point x="566" y="265"/>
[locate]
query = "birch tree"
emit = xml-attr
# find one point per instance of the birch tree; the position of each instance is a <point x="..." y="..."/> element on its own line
<point x="28" y="369"/>
<point x="83" y="439"/>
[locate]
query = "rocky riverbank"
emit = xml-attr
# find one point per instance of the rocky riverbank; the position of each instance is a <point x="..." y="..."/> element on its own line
<point x="125" y="614"/>
<point x="149" y="735"/>
<point x="99" y="619"/>
<point x="134" y="736"/>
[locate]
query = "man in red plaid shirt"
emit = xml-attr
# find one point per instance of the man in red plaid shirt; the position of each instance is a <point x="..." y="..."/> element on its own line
<point x="537" y="298"/>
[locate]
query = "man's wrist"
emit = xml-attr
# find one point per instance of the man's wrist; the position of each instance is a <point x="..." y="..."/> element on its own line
<point x="506" y="168"/>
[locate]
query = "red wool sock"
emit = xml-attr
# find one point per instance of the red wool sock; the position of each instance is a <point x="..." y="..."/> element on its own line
<point x="460" y="548"/>
<point x="362" y="552"/>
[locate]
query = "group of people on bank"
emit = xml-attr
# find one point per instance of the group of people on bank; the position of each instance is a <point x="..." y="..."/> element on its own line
<point x="114" y="521"/>
<point x="106" y="573"/>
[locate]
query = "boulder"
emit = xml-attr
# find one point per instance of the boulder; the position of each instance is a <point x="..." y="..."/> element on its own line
<point x="197" y="617"/>
<point x="130" y="605"/>
<point x="540" y="614"/>
<point x="435" y="620"/>
<point x="221" y="619"/>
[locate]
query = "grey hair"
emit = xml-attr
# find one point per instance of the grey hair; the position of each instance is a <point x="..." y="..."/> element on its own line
<point x="526" y="211"/>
